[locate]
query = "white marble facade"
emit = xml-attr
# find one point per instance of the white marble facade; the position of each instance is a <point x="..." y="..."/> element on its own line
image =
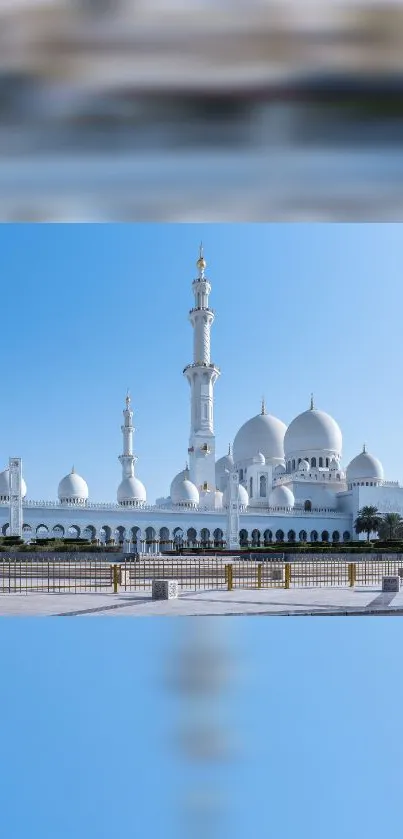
<point x="290" y="482"/>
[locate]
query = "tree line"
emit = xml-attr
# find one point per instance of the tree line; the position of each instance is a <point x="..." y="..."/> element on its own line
<point x="387" y="526"/>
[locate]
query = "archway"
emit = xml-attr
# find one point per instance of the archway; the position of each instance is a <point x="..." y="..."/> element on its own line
<point x="346" y="536"/>
<point x="291" y="536"/>
<point x="165" y="542"/>
<point x="178" y="538"/>
<point x="280" y="536"/>
<point x="205" y="537"/>
<point x="308" y="506"/>
<point x="335" y="536"/>
<point x="42" y="531"/>
<point x="268" y="537"/>
<point x="58" y="531"/>
<point x="120" y="534"/>
<point x="73" y="531"/>
<point x="136" y="538"/>
<point x="314" y="536"/>
<point x="302" y="536"/>
<point x="218" y="536"/>
<point x="263" y="486"/>
<point x="325" y="536"/>
<point x="192" y="537"/>
<point x="243" y="538"/>
<point x="90" y="532"/>
<point x="255" y="538"/>
<point x="105" y="534"/>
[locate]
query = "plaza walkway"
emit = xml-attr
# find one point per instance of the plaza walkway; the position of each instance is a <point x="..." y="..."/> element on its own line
<point x="303" y="601"/>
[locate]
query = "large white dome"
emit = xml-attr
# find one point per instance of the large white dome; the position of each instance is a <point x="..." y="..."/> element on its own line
<point x="73" y="488"/>
<point x="263" y="434"/>
<point x="243" y="497"/>
<point x="281" y="496"/>
<point x="131" y="492"/>
<point x="313" y="431"/>
<point x="185" y="493"/>
<point x="364" y="467"/>
<point x="5" y="485"/>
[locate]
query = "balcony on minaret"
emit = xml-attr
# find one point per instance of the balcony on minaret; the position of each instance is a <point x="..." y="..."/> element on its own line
<point x="202" y="364"/>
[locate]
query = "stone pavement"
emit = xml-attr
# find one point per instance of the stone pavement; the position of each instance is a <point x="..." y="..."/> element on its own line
<point x="296" y="601"/>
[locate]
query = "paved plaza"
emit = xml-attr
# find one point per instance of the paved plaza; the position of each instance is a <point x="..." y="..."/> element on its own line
<point x="303" y="601"/>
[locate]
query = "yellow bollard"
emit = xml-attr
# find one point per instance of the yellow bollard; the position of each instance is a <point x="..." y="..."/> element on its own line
<point x="352" y="573"/>
<point x="287" y="581"/>
<point x="230" y="577"/>
<point x="259" y="575"/>
<point x="115" y="578"/>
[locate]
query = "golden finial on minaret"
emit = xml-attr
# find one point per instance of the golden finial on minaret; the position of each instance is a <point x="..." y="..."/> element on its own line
<point x="263" y="406"/>
<point x="364" y="448"/>
<point x="201" y="262"/>
<point x="128" y="398"/>
<point x="312" y="403"/>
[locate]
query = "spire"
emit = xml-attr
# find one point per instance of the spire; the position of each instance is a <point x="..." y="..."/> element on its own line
<point x="364" y="448"/>
<point x="229" y="448"/>
<point x="201" y="262"/>
<point x="72" y="470"/>
<point x="312" y="403"/>
<point x="263" y="411"/>
<point x="128" y="399"/>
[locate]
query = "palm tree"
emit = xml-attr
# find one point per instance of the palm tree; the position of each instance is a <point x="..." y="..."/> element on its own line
<point x="391" y="525"/>
<point x="368" y="521"/>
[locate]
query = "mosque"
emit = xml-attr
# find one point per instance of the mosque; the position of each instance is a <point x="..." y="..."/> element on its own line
<point x="276" y="483"/>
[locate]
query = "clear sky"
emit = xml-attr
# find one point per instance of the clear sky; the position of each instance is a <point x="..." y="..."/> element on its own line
<point x="91" y="310"/>
<point x="91" y="736"/>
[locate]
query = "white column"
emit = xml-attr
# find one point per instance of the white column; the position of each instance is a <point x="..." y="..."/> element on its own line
<point x="233" y="512"/>
<point x="15" y="471"/>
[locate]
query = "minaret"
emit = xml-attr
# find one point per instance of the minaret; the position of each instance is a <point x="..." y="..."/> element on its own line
<point x="202" y="375"/>
<point x="128" y="459"/>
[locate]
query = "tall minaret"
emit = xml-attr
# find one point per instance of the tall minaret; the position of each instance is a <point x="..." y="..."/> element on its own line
<point x="202" y="375"/>
<point x="128" y="459"/>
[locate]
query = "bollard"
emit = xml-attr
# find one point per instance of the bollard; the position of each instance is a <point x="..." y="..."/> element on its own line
<point x="352" y="573"/>
<point x="259" y="575"/>
<point x="115" y="578"/>
<point x="287" y="580"/>
<point x="230" y="577"/>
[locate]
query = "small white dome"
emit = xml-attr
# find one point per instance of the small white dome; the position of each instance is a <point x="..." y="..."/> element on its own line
<point x="131" y="492"/>
<point x="243" y="497"/>
<point x="5" y="485"/>
<point x="281" y="497"/>
<point x="304" y="466"/>
<point x="259" y="458"/>
<point x="185" y="493"/>
<point x="263" y="433"/>
<point x="334" y="465"/>
<point x="280" y="470"/>
<point x="73" y="488"/>
<point x="364" y="467"/>
<point x="313" y="430"/>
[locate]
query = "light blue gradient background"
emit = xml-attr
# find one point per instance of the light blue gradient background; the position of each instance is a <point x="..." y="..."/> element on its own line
<point x="88" y="729"/>
<point x="89" y="310"/>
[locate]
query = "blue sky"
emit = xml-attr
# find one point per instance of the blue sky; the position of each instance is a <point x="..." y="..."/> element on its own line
<point x="90" y="310"/>
<point x="89" y="736"/>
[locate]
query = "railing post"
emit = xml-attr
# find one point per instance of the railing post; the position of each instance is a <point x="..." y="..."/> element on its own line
<point x="352" y="573"/>
<point x="115" y="578"/>
<point x="259" y="575"/>
<point x="287" y="579"/>
<point x="230" y="577"/>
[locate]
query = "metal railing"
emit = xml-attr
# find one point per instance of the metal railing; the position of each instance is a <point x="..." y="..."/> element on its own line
<point x="192" y="573"/>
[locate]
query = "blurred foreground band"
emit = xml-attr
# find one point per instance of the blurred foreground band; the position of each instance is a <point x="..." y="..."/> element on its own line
<point x="119" y="110"/>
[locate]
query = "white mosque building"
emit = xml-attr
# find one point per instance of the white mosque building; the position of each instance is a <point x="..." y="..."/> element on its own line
<point x="276" y="483"/>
